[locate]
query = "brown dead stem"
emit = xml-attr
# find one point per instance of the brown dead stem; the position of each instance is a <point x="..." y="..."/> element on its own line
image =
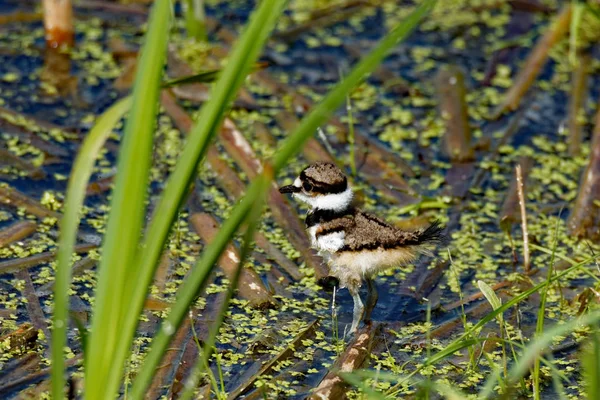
<point x="191" y="350"/>
<point x="479" y="295"/>
<point x="522" y="204"/>
<point x="17" y="264"/>
<point x="33" y="306"/>
<point x="8" y="158"/>
<point x="511" y="211"/>
<point x="323" y="18"/>
<point x="164" y="373"/>
<point x="35" y="377"/>
<point x="13" y="198"/>
<point x="16" y="124"/>
<point x="577" y="99"/>
<point x="333" y="387"/>
<point x="453" y="108"/>
<point x="250" y="286"/>
<point x="534" y="62"/>
<point x="17" y="231"/>
<point x="58" y="23"/>
<point x="21" y="17"/>
<point x="585" y="216"/>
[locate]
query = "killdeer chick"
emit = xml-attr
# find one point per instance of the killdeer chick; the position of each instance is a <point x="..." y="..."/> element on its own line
<point x="356" y="245"/>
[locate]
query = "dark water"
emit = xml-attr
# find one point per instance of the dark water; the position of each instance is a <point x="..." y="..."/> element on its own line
<point x="408" y="124"/>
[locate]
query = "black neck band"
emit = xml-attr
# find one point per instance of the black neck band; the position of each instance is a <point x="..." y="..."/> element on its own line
<point x="319" y="216"/>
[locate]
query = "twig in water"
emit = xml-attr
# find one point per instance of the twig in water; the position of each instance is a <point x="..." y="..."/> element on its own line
<point x="584" y="220"/>
<point x="521" y="195"/>
<point x="577" y="99"/>
<point x="535" y="61"/>
<point x="453" y="109"/>
<point x="17" y="231"/>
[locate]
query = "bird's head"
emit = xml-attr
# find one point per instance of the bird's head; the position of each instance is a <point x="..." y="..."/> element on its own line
<point x="322" y="186"/>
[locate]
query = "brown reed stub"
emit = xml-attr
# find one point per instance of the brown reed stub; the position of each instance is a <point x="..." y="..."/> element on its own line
<point x="579" y="90"/>
<point x="17" y="231"/>
<point x="16" y="264"/>
<point x="333" y="387"/>
<point x="511" y="212"/>
<point x="10" y="196"/>
<point x="250" y="285"/>
<point x="58" y="23"/>
<point x="534" y="62"/>
<point x="521" y="196"/>
<point x="584" y="221"/>
<point x="453" y="108"/>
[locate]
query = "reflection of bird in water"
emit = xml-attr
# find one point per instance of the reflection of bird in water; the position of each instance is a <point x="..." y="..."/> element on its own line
<point x="356" y="245"/>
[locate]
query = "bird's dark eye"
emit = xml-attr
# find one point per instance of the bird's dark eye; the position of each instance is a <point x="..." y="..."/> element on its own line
<point x="307" y="186"/>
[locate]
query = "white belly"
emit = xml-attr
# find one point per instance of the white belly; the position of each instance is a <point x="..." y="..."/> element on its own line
<point x="329" y="243"/>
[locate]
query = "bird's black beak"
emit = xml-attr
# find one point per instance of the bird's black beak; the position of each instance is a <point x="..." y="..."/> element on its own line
<point x="289" y="189"/>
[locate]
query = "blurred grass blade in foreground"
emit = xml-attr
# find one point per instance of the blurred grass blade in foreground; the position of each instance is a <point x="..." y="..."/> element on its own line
<point x="243" y="57"/>
<point x="80" y="175"/>
<point x="103" y="364"/>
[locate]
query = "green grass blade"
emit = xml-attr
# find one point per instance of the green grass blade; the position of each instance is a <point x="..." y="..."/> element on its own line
<point x="576" y="16"/>
<point x="103" y="365"/>
<point x="351" y="141"/>
<point x="251" y="222"/>
<point x="539" y="328"/>
<point x="491" y="297"/>
<point x="195" y="19"/>
<point x="201" y="77"/>
<point x="243" y="56"/>
<point x="590" y="361"/>
<point x="293" y="145"/>
<point x="80" y="175"/>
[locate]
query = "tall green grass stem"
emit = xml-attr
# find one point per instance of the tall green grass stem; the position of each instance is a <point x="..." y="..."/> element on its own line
<point x="211" y="116"/>
<point x="80" y="175"/>
<point x="195" y="19"/>
<point x="116" y="272"/>
<point x="252" y="222"/>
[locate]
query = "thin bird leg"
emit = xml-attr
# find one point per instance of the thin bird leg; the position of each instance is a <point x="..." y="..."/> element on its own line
<point x="372" y="297"/>
<point x="358" y="308"/>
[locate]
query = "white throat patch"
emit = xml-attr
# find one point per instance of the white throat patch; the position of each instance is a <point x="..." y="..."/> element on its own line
<point x="334" y="201"/>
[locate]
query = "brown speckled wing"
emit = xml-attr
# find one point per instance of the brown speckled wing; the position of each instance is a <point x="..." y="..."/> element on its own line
<point x="370" y="232"/>
<point x="345" y="224"/>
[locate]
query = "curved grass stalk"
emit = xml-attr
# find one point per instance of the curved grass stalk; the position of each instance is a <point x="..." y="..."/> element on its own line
<point x="305" y="130"/>
<point x="252" y="222"/>
<point x="103" y="364"/>
<point x="230" y="80"/>
<point x="81" y="172"/>
<point x="539" y="329"/>
<point x="80" y="175"/>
